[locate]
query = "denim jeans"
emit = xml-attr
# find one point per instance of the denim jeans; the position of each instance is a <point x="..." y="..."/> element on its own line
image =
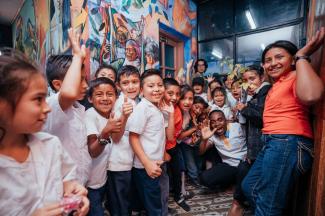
<point x="96" y="198"/>
<point x="192" y="159"/>
<point x="282" y="159"/>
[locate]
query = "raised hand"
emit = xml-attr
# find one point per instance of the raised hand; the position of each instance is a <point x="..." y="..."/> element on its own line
<point x="207" y="133"/>
<point x="316" y="41"/>
<point x="240" y="106"/>
<point x="74" y="188"/>
<point x="74" y="39"/>
<point x="127" y="107"/>
<point x="169" y="108"/>
<point x="210" y="78"/>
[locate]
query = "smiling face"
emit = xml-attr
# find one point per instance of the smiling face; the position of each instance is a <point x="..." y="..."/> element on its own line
<point x="153" y="89"/>
<point x="130" y="85"/>
<point x="254" y="81"/>
<point x="186" y="102"/>
<point x="218" y="120"/>
<point x="172" y="94"/>
<point x="103" y="99"/>
<point x="219" y="98"/>
<point x="197" y="108"/>
<point x="31" y="110"/>
<point x="277" y="62"/>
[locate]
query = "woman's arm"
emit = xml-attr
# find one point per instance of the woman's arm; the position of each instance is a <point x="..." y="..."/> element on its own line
<point x="309" y="86"/>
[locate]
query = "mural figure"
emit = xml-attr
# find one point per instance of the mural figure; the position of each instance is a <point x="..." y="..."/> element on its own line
<point x="132" y="54"/>
<point x="152" y="55"/>
<point x="122" y="35"/>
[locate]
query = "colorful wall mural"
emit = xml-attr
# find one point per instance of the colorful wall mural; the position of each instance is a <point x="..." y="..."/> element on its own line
<point x="116" y="32"/>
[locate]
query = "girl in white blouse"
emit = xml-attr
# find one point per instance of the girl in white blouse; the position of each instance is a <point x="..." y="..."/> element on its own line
<point x="35" y="171"/>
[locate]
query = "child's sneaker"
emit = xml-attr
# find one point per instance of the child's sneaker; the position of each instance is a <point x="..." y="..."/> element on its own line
<point x="188" y="195"/>
<point x="181" y="202"/>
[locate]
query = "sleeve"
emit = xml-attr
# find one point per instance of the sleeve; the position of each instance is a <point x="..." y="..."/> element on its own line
<point x="56" y="117"/>
<point x="90" y="122"/>
<point x="137" y="120"/>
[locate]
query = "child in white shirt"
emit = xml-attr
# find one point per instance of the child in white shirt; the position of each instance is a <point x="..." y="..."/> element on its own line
<point x="147" y="138"/>
<point x="100" y="124"/>
<point x="35" y="171"/>
<point x="220" y="103"/>
<point x="120" y="160"/>
<point x="67" y="79"/>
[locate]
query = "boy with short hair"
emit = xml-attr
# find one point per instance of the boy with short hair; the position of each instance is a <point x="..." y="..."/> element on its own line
<point x="100" y="124"/>
<point x="66" y="77"/>
<point x="120" y="160"/>
<point x="147" y="137"/>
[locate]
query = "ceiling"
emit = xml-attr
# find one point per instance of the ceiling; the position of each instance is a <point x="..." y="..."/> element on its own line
<point x="9" y="10"/>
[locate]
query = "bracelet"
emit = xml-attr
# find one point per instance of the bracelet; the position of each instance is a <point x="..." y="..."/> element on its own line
<point x="297" y="58"/>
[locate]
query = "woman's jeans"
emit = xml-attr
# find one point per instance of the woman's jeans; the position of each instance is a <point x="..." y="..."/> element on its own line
<point x="283" y="158"/>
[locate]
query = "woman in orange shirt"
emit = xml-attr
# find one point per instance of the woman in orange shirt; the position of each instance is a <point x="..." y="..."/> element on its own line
<point x="287" y="133"/>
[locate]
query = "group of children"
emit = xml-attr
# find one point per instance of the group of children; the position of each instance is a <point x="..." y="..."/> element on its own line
<point x="136" y="141"/>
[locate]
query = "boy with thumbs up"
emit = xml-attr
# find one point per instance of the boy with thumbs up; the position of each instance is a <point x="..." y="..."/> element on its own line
<point x="120" y="160"/>
<point x="101" y="124"/>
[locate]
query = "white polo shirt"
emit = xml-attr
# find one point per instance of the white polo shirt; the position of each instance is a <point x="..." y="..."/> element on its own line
<point x="69" y="126"/>
<point x="233" y="148"/>
<point x="94" y="125"/>
<point x="38" y="181"/>
<point x="121" y="157"/>
<point x="148" y="121"/>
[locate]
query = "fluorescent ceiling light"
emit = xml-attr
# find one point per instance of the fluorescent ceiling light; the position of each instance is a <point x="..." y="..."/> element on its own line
<point x="250" y="19"/>
<point x="217" y="54"/>
<point x="262" y="46"/>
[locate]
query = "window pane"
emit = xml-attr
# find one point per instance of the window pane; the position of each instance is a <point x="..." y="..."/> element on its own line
<point x="215" y="19"/>
<point x="217" y="53"/>
<point x="250" y="47"/>
<point x="266" y="13"/>
<point x="169" y="56"/>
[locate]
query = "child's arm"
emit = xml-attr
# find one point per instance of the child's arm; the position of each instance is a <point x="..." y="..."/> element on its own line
<point x="152" y="167"/>
<point x="94" y="147"/>
<point x="127" y="109"/>
<point x="74" y="188"/>
<point x="70" y="87"/>
<point x="309" y="86"/>
<point x="170" y="130"/>
<point x="186" y="133"/>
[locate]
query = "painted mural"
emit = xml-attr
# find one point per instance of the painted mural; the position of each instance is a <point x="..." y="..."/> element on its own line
<point x="116" y="32"/>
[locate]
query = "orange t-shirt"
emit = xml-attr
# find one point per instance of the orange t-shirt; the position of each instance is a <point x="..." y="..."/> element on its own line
<point x="178" y="121"/>
<point x="283" y="112"/>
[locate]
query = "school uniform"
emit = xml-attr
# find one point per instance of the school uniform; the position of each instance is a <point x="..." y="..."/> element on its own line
<point x="148" y="121"/>
<point x="97" y="178"/>
<point x="69" y="126"/>
<point x="120" y="162"/>
<point x="37" y="181"/>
